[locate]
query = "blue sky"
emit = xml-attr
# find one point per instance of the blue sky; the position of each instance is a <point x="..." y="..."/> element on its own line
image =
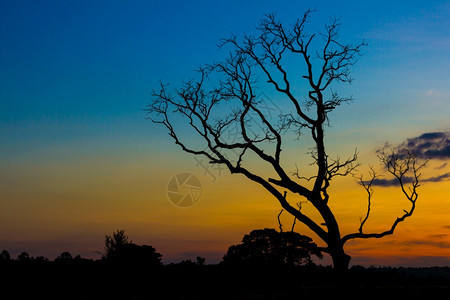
<point x="77" y="69"/>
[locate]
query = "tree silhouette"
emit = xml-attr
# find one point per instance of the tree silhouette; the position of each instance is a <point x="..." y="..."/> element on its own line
<point x="225" y="98"/>
<point x="200" y="260"/>
<point x="5" y="256"/>
<point x="24" y="257"/>
<point x="269" y="247"/>
<point x="64" y="257"/>
<point x="114" y="244"/>
<point x="41" y="259"/>
<point x="118" y="249"/>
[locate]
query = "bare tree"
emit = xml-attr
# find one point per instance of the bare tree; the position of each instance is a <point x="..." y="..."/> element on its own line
<point x="225" y="96"/>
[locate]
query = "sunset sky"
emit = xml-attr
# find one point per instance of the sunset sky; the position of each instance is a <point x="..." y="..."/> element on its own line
<point x="79" y="159"/>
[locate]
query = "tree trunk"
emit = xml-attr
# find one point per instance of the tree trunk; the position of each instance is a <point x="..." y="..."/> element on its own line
<point x="341" y="260"/>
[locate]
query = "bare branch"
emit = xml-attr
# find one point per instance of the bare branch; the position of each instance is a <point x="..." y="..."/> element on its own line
<point x="398" y="167"/>
<point x="279" y="221"/>
<point x="299" y="206"/>
<point x="367" y="185"/>
<point x="211" y="106"/>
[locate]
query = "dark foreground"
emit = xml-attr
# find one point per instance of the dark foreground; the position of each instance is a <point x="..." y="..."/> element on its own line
<point x="98" y="280"/>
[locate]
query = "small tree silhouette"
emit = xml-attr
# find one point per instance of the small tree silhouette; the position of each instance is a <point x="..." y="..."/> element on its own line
<point x="269" y="247"/>
<point x="41" y="259"/>
<point x="118" y="249"/>
<point x="114" y="243"/>
<point x="64" y="257"/>
<point x="5" y="256"/>
<point x="24" y="257"/>
<point x="200" y="260"/>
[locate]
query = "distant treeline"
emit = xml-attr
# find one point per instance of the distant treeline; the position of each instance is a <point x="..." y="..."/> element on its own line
<point x="263" y="266"/>
<point x="147" y="257"/>
<point x="260" y="247"/>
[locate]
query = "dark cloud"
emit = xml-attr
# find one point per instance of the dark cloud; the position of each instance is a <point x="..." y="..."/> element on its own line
<point x="437" y="178"/>
<point x="432" y="243"/>
<point x="406" y="179"/>
<point x="428" y="145"/>
<point x="441" y="166"/>
<point x="439" y="236"/>
<point x="390" y="182"/>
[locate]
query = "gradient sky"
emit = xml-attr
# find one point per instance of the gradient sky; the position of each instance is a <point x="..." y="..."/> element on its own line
<point x="78" y="159"/>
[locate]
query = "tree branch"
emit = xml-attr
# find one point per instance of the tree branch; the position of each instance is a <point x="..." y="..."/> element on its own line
<point x="368" y="187"/>
<point x="279" y="221"/>
<point x="398" y="167"/>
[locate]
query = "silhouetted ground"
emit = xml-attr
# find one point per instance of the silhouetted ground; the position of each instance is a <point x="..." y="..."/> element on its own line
<point x="98" y="280"/>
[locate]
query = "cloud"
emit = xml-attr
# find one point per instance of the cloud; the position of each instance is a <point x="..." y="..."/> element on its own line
<point x="441" y="166"/>
<point x="434" y="145"/>
<point x="439" y="235"/>
<point x="431" y="243"/>
<point x="430" y="145"/>
<point x="390" y="182"/>
<point x="437" y="178"/>
<point x="437" y="94"/>
<point x="407" y="179"/>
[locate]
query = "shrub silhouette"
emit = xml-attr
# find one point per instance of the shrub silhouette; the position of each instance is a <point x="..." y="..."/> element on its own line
<point x="24" y="257"/>
<point x="5" y="256"/>
<point x="269" y="247"/>
<point x="118" y="249"/>
<point x="64" y="257"/>
<point x="114" y="244"/>
<point x="41" y="260"/>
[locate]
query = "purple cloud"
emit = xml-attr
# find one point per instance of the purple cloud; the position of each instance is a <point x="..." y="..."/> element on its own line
<point x="434" y="145"/>
<point x="430" y="145"/>
<point x="406" y="179"/>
